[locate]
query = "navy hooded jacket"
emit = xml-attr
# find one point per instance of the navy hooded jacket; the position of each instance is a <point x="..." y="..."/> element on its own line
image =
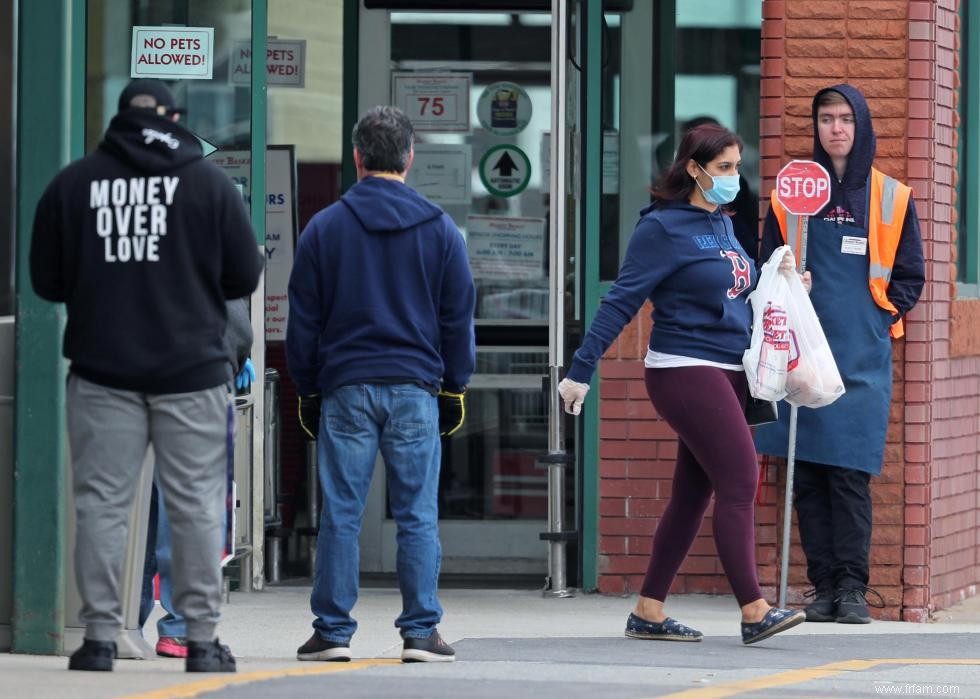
<point x="688" y="262"/>
<point x="381" y="292"/>
<point x="849" y="203"/>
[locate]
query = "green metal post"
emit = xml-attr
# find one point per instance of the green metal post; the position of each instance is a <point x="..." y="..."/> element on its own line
<point x="970" y="159"/>
<point x="260" y="31"/>
<point x="591" y="202"/>
<point x="665" y="32"/>
<point x="51" y="56"/>
<point x="351" y="47"/>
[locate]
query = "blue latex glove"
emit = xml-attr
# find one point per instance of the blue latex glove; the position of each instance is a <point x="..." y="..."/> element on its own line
<point x="246" y="376"/>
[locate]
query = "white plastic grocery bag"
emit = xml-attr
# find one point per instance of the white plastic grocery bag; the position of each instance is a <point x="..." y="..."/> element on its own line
<point x="812" y="379"/>
<point x="766" y="361"/>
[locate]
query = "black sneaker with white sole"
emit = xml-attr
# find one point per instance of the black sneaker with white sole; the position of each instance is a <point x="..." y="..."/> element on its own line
<point x="317" y="648"/>
<point x="427" y="650"/>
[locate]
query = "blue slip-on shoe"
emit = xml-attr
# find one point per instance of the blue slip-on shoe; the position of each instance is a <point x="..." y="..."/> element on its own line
<point x="666" y="630"/>
<point x="775" y="621"/>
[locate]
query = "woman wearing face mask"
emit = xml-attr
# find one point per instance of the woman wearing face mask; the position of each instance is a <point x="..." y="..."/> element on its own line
<point x="684" y="257"/>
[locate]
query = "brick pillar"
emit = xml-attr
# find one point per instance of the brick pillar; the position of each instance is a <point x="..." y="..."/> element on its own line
<point x="900" y="54"/>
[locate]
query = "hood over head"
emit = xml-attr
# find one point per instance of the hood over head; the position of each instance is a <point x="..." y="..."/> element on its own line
<point x="149" y="142"/>
<point x="148" y="93"/>
<point x="863" y="152"/>
<point x="384" y="204"/>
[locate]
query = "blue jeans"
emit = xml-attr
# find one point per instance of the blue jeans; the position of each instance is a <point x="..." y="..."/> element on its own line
<point x="402" y="420"/>
<point x="157" y="560"/>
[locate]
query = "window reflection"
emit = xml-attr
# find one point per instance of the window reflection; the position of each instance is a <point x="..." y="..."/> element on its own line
<point x="488" y="468"/>
<point x="703" y="62"/>
<point x="217" y="110"/>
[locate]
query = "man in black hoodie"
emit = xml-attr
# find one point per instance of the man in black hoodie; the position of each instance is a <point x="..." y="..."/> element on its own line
<point x="143" y="241"/>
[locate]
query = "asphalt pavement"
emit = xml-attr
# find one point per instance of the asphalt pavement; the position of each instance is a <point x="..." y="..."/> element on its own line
<point x="517" y="644"/>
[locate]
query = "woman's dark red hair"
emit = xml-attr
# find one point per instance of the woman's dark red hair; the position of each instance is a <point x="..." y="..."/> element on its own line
<point x="702" y="145"/>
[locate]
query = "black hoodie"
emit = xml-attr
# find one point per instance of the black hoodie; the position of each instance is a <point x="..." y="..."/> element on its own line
<point x="849" y="200"/>
<point x="144" y="240"/>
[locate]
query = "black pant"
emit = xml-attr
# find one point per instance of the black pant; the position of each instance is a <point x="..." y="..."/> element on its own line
<point x="833" y="511"/>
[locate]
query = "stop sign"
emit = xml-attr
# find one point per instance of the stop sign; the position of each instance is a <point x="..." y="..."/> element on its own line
<point x="803" y="187"/>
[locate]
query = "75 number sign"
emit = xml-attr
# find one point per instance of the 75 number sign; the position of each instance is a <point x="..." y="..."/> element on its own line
<point x="434" y="101"/>
<point x="431" y="106"/>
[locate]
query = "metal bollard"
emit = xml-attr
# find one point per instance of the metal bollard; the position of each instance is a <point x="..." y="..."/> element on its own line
<point x="271" y="456"/>
<point x="556" y="461"/>
<point x="273" y="558"/>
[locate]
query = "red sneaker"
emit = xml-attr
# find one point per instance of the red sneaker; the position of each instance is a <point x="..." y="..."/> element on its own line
<point x="172" y="646"/>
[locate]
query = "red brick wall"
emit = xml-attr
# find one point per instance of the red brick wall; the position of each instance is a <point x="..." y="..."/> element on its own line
<point x="954" y="563"/>
<point x="924" y="542"/>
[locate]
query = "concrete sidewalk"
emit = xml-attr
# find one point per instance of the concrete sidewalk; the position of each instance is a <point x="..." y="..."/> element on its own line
<point x="265" y="628"/>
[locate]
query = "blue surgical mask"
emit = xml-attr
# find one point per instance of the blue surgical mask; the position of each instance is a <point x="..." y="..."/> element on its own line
<point x="724" y="188"/>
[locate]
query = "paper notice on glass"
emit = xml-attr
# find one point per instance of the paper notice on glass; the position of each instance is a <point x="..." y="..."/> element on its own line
<point x="433" y="101"/>
<point x="442" y="172"/>
<point x="610" y="162"/>
<point x="505" y="248"/>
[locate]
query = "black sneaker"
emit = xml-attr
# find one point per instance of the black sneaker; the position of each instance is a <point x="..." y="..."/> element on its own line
<point x="427" y="650"/>
<point x="209" y="656"/>
<point x="852" y="605"/>
<point x="824" y="604"/>
<point x="94" y="656"/>
<point x="318" y="649"/>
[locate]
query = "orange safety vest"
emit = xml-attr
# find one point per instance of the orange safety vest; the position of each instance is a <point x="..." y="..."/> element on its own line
<point x="889" y="202"/>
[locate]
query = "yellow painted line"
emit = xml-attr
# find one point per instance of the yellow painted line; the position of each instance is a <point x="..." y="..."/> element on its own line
<point x="193" y="689"/>
<point x="807" y="674"/>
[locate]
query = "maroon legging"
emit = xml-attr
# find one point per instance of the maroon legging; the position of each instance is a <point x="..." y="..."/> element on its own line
<point x="715" y="453"/>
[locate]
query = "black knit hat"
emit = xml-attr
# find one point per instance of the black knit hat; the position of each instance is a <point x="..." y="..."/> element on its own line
<point x="149" y="94"/>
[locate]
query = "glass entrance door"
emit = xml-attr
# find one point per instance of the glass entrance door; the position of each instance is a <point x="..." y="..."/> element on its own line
<point x="477" y="87"/>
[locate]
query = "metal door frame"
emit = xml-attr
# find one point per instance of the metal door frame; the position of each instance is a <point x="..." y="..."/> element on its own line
<point x="512" y="539"/>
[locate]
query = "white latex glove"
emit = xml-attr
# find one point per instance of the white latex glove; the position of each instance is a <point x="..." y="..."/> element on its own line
<point x="573" y="393"/>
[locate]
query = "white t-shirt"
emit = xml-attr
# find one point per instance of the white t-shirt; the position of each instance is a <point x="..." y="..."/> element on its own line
<point x="662" y="360"/>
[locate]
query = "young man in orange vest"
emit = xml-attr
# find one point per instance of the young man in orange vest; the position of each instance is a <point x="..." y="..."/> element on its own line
<point x="865" y="254"/>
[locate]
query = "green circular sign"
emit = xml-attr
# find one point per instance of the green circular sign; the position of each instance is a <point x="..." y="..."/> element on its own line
<point x="505" y="170"/>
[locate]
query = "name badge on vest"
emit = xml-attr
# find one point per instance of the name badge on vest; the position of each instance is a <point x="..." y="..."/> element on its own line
<point x="852" y="245"/>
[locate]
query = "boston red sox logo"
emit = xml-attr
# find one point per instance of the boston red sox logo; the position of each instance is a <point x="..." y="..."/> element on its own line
<point x="741" y="272"/>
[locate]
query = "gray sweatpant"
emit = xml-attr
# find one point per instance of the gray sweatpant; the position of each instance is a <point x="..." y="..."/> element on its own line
<point x="109" y="431"/>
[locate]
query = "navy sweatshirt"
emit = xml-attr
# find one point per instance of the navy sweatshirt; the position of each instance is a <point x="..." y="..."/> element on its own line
<point x="381" y="292"/>
<point x="144" y="240"/>
<point x="689" y="264"/>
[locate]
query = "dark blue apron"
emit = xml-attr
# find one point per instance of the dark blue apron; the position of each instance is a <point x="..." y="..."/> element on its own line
<point x="850" y="432"/>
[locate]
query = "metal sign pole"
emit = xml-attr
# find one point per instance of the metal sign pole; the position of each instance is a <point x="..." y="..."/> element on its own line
<point x="556" y="459"/>
<point x="791" y="449"/>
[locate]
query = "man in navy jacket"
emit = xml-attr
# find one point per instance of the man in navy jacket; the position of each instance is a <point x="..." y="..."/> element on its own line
<point x="380" y="341"/>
